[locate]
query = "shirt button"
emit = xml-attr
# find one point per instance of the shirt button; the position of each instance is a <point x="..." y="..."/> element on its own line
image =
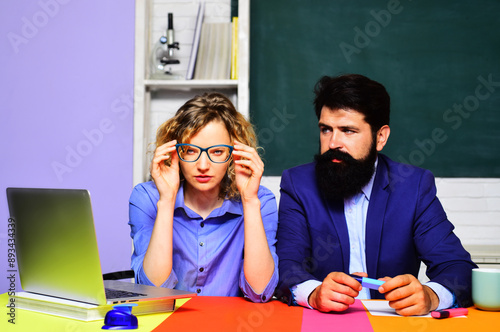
<point x="202" y="244"/>
<point x="202" y="224"/>
<point x="263" y="298"/>
<point x="198" y="291"/>
<point x="201" y="269"/>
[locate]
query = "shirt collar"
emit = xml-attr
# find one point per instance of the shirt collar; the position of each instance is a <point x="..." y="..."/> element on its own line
<point x="179" y="199"/>
<point x="367" y="189"/>
<point x="228" y="206"/>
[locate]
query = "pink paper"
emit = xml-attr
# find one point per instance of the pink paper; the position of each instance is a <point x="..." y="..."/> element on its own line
<point x="353" y="319"/>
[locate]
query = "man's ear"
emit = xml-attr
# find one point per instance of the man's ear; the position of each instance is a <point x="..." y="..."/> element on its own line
<point x="382" y="137"/>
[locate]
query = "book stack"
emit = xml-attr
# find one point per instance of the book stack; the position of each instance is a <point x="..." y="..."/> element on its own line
<point x="84" y="311"/>
<point x="214" y="52"/>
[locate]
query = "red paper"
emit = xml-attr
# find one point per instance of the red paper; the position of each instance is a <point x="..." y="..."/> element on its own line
<point x="232" y="314"/>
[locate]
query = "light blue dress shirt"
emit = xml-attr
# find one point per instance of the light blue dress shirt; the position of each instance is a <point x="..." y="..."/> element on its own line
<point x="355" y="211"/>
<point x="207" y="253"/>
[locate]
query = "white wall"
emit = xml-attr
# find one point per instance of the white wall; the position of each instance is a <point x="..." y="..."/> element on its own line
<point x="473" y="206"/>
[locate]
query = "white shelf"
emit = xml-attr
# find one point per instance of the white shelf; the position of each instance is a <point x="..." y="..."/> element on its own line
<point x="195" y="84"/>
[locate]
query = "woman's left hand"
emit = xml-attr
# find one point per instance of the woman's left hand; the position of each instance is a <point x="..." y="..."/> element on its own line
<point x="248" y="169"/>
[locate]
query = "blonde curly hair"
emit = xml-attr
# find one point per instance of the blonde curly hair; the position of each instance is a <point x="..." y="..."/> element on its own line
<point x="195" y="114"/>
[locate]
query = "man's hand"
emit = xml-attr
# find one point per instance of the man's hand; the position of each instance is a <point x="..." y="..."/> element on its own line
<point x="408" y="296"/>
<point x="336" y="293"/>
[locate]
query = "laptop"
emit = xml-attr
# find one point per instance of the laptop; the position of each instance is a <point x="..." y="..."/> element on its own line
<point x="57" y="253"/>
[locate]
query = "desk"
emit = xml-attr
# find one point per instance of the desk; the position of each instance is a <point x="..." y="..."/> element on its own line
<point x="236" y="314"/>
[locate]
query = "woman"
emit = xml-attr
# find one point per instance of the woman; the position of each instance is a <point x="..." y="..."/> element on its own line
<point x="204" y="224"/>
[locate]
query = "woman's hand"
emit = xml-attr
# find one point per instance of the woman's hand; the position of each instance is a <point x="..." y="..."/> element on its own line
<point x="157" y="262"/>
<point x="166" y="178"/>
<point x="248" y="170"/>
<point x="258" y="263"/>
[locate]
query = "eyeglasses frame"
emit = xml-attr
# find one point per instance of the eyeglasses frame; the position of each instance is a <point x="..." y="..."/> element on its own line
<point x="180" y="145"/>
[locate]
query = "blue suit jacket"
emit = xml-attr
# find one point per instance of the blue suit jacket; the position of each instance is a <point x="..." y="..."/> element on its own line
<point x="405" y="225"/>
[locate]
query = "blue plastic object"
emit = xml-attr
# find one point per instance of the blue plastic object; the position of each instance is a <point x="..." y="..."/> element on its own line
<point x="368" y="282"/>
<point x="121" y="318"/>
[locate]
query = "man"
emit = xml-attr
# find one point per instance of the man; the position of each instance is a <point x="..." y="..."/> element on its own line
<point x="355" y="211"/>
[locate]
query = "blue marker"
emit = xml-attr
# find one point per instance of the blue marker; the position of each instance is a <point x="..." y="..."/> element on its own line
<point x="368" y="282"/>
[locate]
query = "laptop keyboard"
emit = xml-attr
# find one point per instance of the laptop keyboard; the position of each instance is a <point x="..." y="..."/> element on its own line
<point x="119" y="294"/>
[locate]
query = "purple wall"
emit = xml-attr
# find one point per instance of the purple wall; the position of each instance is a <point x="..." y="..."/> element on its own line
<point x="66" y="110"/>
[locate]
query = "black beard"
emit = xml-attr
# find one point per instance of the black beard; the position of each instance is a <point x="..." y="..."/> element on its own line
<point x="347" y="178"/>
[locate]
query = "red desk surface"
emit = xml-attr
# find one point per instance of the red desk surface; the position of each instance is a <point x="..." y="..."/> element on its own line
<point x="206" y="313"/>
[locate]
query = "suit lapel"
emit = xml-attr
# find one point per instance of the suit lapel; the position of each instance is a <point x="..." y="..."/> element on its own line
<point x="375" y="217"/>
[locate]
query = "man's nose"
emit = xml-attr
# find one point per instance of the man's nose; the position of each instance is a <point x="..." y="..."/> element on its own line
<point x="335" y="141"/>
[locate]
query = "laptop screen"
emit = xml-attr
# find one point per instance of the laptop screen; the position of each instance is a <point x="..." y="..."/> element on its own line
<point x="56" y="245"/>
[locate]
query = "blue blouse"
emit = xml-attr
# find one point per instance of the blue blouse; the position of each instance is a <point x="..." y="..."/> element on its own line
<point x="207" y="254"/>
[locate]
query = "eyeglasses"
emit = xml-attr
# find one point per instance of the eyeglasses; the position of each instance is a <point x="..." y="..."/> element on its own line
<point x="216" y="153"/>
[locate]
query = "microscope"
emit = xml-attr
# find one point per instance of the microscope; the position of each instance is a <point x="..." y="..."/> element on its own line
<point x="164" y="65"/>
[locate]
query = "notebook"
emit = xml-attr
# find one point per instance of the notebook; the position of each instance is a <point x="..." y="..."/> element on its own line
<point x="57" y="252"/>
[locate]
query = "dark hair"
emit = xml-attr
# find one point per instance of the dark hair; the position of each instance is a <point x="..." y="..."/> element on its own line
<point x="355" y="92"/>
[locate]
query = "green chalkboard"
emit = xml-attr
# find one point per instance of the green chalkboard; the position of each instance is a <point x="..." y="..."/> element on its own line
<point x="439" y="60"/>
